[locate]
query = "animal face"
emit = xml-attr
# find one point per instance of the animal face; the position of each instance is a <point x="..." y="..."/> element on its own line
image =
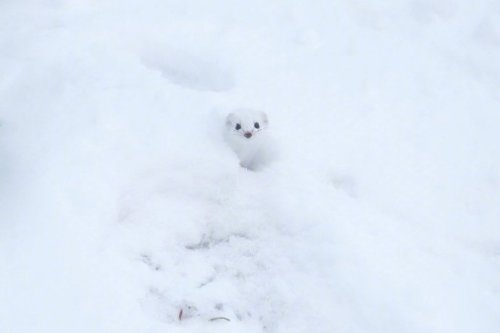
<point x="246" y="123"/>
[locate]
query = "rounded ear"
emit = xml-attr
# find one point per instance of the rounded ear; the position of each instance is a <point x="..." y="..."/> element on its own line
<point x="229" y="119"/>
<point x="264" y="118"/>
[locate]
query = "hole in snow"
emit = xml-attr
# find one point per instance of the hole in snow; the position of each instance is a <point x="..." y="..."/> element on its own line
<point x="198" y="73"/>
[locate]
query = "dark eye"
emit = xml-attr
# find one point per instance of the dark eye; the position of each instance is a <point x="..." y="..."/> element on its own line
<point x="256" y="125"/>
<point x="238" y="127"/>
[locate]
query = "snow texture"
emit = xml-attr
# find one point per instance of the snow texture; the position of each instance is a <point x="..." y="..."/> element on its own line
<point x="121" y="204"/>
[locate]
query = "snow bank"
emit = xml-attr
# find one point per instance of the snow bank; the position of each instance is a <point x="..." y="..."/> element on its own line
<point x="122" y="205"/>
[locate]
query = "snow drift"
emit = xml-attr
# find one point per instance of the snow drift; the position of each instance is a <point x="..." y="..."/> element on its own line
<point x="120" y="203"/>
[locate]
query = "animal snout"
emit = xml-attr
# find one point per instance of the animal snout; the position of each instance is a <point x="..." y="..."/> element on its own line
<point x="248" y="135"/>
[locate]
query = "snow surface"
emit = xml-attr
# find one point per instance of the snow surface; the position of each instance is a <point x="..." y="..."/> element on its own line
<point x="122" y="205"/>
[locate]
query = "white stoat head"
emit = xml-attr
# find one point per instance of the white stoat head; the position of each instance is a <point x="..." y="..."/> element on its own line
<point x="246" y="123"/>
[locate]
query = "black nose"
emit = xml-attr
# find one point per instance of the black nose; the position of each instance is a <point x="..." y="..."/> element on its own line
<point x="248" y="135"/>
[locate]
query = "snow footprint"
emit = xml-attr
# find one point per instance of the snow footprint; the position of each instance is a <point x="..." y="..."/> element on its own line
<point x="193" y="72"/>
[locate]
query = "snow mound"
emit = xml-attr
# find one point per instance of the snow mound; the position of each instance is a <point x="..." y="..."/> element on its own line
<point x="122" y="209"/>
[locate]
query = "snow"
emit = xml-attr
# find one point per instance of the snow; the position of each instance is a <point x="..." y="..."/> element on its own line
<point x="121" y="204"/>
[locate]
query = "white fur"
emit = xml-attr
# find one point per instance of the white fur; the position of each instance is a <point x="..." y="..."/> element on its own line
<point x="252" y="152"/>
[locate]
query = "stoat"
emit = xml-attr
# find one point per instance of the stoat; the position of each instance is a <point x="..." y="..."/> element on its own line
<point x="246" y="134"/>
